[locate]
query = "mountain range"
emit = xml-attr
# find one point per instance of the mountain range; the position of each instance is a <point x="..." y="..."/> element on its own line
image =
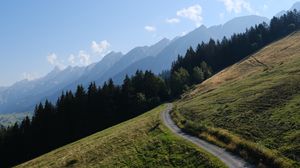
<point x="24" y="95"/>
<point x="179" y="45"/>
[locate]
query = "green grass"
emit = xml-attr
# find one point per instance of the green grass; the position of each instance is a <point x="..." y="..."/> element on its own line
<point x="250" y="106"/>
<point x="141" y="142"/>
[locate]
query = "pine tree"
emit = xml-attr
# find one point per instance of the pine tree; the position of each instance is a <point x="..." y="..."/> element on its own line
<point x="198" y="75"/>
<point x="179" y="81"/>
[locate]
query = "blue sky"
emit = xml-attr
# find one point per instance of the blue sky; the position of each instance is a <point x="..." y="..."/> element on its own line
<point x="37" y="35"/>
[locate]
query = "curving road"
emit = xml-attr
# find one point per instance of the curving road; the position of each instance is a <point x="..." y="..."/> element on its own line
<point x="228" y="158"/>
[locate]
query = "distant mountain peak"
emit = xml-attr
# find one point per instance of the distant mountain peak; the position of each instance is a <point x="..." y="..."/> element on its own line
<point x="202" y="27"/>
<point x="113" y="53"/>
<point x="246" y="19"/>
<point x="55" y="70"/>
<point x="164" y="40"/>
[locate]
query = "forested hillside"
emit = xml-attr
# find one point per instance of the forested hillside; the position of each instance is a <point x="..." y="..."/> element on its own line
<point x="79" y="114"/>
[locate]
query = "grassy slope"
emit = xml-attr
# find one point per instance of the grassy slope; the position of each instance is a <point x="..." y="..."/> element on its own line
<point x="257" y="99"/>
<point x="140" y="142"/>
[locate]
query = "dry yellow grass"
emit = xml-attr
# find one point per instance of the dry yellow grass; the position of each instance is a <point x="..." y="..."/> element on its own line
<point x="278" y="53"/>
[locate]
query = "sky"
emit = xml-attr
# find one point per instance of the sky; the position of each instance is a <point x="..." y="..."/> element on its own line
<point x="37" y="35"/>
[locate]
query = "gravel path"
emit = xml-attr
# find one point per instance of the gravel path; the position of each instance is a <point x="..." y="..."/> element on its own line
<point x="232" y="161"/>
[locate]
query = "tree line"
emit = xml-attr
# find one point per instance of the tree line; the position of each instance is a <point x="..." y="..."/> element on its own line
<point x="88" y="110"/>
<point x="79" y="114"/>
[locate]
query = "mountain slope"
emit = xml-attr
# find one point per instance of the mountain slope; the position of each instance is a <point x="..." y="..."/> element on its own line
<point x="92" y="72"/>
<point x="133" y="56"/>
<point x="296" y="6"/>
<point x="135" y="143"/>
<point x="23" y="95"/>
<point x="100" y="68"/>
<point x="2" y="88"/>
<point x="203" y="34"/>
<point x="178" y="46"/>
<point x="255" y="100"/>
